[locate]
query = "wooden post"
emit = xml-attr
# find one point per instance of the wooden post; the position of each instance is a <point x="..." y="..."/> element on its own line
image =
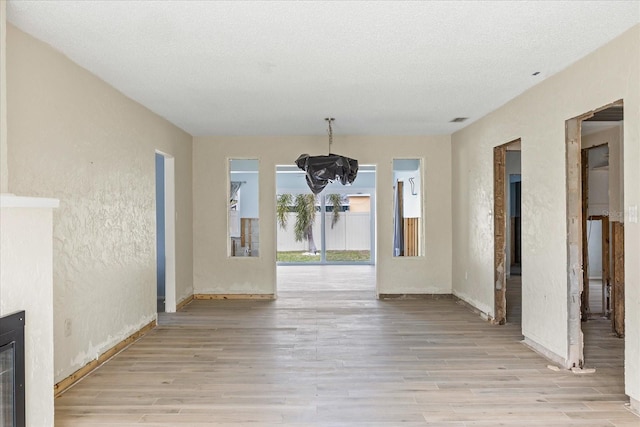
<point x="400" y="190"/>
<point x="243" y="231"/>
<point x="617" y="288"/>
<point x="411" y="236"/>
<point x="606" y="274"/>
<point x="500" y="228"/>
<point x="574" y="243"/>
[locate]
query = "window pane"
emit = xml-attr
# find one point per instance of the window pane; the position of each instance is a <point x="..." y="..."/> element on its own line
<point x="407" y="217"/>
<point x="348" y="227"/>
<point x="243" y="208"/>
<point x="299" y="228"/>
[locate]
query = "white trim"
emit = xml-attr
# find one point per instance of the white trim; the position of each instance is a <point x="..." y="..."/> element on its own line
<point x="170" y="218"/>
<point x="12" y="201"/>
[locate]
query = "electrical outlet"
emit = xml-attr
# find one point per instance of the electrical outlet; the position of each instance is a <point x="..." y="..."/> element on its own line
<point x="67" y="327"/>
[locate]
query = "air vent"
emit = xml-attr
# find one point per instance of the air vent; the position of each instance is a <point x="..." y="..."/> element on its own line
<point x="459" y="119"/>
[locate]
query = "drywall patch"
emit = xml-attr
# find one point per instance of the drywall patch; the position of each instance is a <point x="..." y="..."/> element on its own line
<point x="72" y="379"/>
<point x="547" y="354"/>
<point x="481" y="309"/>
<point x="95" y="352"/>
<point x="184" y="302"/>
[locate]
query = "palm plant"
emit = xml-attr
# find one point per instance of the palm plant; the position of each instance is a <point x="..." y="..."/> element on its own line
<point x="305" y="209"/>
<point x="336" y="202"/>
<point x="283" y="201"/>
<point x="304" y="206"/>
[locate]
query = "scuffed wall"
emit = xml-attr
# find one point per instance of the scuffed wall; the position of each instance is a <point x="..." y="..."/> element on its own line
<point x="216" y="273"/>
<point x="538" y="117"/>
<point x="75" y="138"/>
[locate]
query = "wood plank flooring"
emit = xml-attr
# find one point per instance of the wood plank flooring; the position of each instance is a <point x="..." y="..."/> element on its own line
<point x="327" y="353"/>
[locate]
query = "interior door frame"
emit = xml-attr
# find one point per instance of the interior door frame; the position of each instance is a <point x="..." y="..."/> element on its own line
<point x="575" y="219"/>
<point x="500" y="207"/>
<point x="371" y="191"/>
<point x="321" y="200"/>
<point x="169" y="232"/>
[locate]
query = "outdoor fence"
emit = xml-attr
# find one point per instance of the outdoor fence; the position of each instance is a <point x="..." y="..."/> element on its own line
<point x="352" y="232"/>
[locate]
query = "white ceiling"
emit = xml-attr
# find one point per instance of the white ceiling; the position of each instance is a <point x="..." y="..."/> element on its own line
<point x="588" y="128"/>
<point x="281" y="67"/>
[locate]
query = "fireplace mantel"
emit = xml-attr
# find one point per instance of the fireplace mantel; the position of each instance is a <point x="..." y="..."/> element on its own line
<point x="26" y="283"/>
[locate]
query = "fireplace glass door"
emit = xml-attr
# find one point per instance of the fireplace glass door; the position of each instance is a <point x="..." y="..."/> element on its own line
<point x="7" y="385"/>
<point x="12" y="392"/>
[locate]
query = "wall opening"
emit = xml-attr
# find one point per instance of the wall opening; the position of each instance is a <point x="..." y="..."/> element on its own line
<point x="507" y="187"/>
<point x="160" y="234"/>
<point x="243" y="208"/>
<point x="342" y="255"/>
<point x="165" y="232"/>
<point x="408" y="209"/>
<point x="595" y="227"/>
<point x="336" y="226"/>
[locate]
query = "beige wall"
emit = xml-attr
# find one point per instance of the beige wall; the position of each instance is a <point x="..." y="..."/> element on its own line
<point x="4" y="170"/>
<point x="214" y="272"/>
<point x="75" y="138"/>
<point x="538" y="117"/>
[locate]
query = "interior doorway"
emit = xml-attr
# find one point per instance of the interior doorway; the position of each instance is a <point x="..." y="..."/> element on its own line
<point x="596" y="301"/>
<point x="507" y="189"/>
<point x="160" y="234"/>
<point x="336" y="226"/>
<point x="595" y="226"/>
<point x="165" y="233"/>
<point x="342" y="254"/>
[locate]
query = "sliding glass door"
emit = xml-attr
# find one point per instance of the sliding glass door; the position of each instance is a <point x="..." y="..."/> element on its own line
<point x="335" y="227"/>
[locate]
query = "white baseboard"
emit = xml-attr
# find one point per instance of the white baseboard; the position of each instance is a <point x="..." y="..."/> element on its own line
<point x="634" y="406"/>
<point x="546" y="353"/>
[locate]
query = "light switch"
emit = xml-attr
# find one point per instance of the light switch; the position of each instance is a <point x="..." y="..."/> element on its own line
<point x="633" y="214"/>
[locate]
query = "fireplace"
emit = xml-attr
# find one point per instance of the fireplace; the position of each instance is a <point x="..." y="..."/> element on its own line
<point x="12" y="401"/>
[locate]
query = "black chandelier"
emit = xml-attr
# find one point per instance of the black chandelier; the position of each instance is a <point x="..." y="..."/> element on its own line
<point x="321" y="170"/>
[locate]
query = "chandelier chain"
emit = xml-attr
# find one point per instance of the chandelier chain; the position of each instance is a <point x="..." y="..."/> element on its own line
<point x="329" y="120"/>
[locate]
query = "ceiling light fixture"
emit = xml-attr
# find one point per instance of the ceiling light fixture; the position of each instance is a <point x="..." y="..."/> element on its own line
<point x="321" y="170"/>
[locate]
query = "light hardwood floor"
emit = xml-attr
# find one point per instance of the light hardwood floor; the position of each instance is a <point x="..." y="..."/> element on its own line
<point x="327" y="353"/>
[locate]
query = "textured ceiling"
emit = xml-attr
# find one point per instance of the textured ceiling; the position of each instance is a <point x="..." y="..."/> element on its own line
<point x="278" y="68"/>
